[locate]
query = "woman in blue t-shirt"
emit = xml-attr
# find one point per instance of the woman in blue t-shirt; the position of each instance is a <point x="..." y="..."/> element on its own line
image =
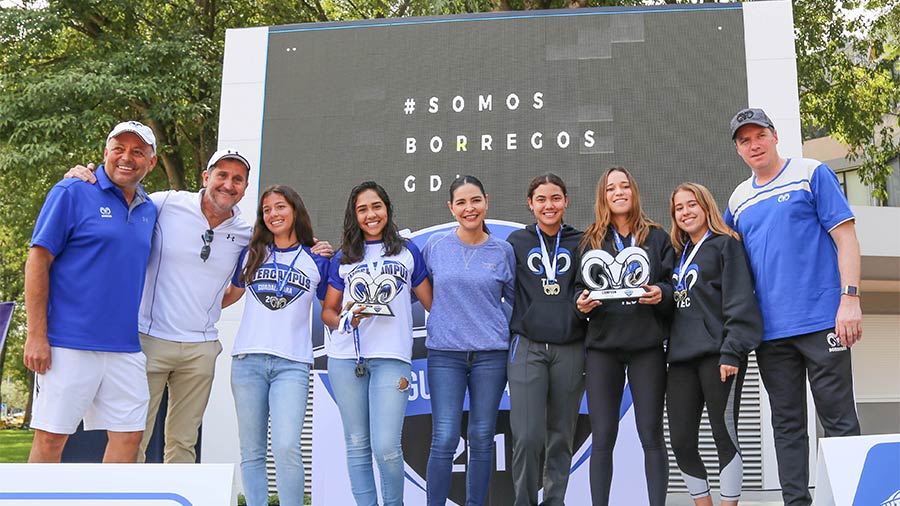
<point x="273" y="349"/>
<point x="468" y="339"/>
<point x="368" y="308"/>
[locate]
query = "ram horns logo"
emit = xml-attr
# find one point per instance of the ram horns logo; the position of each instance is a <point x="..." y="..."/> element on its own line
<point x="629" y="269"/>
<point x="563" y="259"/>
<point x="375" y="293"/>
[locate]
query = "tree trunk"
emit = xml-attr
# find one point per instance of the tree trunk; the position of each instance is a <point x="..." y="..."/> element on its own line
<point x="30" y="399"/>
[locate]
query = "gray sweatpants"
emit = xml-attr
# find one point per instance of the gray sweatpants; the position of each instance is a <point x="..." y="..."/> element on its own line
<point x="546" y="385"/>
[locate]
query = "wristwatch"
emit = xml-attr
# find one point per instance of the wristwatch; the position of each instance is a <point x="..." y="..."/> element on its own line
<point x="850" y="290"/>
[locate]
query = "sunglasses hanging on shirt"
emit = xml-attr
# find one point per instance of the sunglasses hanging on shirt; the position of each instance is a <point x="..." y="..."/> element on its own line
<point x="207" y="240"/>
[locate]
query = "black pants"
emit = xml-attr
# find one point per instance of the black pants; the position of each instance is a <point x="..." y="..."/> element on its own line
<point x="691" y="384"/>
<point x="605" y="382"/>
<point x="783" y="363"/>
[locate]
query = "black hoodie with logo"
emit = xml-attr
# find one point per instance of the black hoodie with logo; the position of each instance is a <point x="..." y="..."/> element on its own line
<point x="537" y="316"/>
<point x="627" y="325"/>
<point x="718" y="314"/>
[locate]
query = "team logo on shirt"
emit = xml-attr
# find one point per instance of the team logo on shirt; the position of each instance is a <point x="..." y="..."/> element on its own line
<point x="276" y="288"/>
<point x="563" y="261"/>
<point x="627" y="271"/>
<point x="683" y="288"/>
<point x="377" y="291"/>
<point x="105" y="212"/>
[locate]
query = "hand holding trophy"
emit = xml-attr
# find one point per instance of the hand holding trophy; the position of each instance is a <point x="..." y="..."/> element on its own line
<point x="618" y="278"/>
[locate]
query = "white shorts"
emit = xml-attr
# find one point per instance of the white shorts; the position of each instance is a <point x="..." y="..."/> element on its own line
<point x="108" y="390"/>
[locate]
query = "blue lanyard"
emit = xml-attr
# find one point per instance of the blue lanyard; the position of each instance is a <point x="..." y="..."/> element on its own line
<point x="619" y="244"/>
<point x="686" y="260"/>
<point x="356" y="345"/>
<point x="280" y="282"/>
<point x="549" y="265"/>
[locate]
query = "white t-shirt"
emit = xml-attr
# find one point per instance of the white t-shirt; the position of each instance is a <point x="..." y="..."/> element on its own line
<point x="278" y="308"/>
<point x="393" y="279"/>
<point x="182" y="298"/>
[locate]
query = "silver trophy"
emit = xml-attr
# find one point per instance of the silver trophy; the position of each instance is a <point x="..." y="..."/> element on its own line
<point x="618" y="278"/>
<point x="374" y="294"/>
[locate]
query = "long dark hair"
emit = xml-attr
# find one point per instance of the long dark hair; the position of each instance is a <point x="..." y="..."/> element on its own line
<point x="464" y="180"/>
<point x="638" y="222"/>
<point x="353" y="245"/>
<point x="262" y="238"/>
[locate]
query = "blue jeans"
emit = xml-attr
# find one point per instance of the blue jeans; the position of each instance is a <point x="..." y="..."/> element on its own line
<point x="450" y="373"/>
<point x="267" y="386"/>
<point x="372" y="408"/>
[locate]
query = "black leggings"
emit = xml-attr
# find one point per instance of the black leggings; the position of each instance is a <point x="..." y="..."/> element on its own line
<point x="605" y="382"/>
<point x="691" y="384"/>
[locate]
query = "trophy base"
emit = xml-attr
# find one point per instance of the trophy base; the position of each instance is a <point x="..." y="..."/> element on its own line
<point x="373" y="309"/>
<point x="619" y="294"/>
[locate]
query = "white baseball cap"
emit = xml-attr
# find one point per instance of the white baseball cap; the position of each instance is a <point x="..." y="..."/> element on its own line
<point x="137" y="128"/>
<point x="225" y="154"/>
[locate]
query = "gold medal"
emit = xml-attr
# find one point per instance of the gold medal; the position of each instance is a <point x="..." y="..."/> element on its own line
<point x="551" y="287"/>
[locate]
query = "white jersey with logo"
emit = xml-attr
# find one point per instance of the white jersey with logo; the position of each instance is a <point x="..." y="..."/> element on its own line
<point x="378" y="280"/>
<point x="277" y="316"/>
<point x="182" y="298"/>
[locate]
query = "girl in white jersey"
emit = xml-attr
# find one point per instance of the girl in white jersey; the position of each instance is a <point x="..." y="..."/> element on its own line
<point x="368" y="308"/>
<point x="273" y="348"/>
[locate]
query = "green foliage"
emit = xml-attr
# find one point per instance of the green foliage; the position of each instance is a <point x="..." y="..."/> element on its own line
<point x="849" y="79"/>
<point x="273" y="500"/>
<point x="16" y="444"/>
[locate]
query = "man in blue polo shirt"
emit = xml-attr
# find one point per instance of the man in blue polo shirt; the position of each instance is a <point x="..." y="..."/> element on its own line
<point x="83" y="283"/>
<point x="799" y="233"/>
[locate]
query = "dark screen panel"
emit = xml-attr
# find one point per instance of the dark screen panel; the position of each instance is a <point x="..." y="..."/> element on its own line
<point x="649" y="90"/>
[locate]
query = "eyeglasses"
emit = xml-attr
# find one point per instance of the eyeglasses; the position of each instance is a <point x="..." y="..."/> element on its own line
<point x="207" y="240"/>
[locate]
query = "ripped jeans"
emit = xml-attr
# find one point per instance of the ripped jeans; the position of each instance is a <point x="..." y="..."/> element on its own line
<point x="372" y="410"/>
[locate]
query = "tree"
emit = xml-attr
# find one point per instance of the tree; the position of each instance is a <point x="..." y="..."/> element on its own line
<point x="849" y="79"/>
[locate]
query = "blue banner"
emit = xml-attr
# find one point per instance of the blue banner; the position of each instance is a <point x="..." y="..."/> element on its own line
<point x="6" y="311"/>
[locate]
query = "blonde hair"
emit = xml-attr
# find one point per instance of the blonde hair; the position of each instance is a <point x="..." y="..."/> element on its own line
<point x="713" y="217"/>
<point x="638" y="222"/>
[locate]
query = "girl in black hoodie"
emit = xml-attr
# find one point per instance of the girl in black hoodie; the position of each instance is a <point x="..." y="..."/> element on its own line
<point x="624" y="249"/>
<point x="716" y="324"/>
<point x="546" y="355"/>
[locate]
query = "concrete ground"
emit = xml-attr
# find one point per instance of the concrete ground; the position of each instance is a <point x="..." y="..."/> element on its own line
<point x="751" y="498"/>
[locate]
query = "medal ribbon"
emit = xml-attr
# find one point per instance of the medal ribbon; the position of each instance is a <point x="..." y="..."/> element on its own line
<point x="356" y="346"/>
<point x="374" y="267"/>
<point x="280" y="282"/>
<point x="549" y="265"/>
<point x="619" y="245"/>
<point x="679" y="282"/>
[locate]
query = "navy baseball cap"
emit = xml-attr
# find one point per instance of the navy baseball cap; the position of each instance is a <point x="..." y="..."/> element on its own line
<point x="750" y="117"/>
